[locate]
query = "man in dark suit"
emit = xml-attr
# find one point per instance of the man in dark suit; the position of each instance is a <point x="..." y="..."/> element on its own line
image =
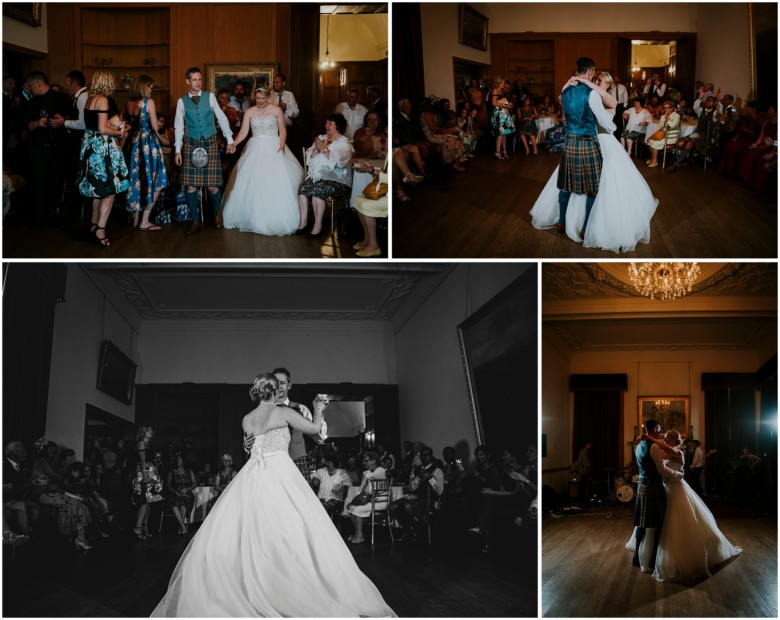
<point x="17" y="508"/>
<point x="409" y="136"/>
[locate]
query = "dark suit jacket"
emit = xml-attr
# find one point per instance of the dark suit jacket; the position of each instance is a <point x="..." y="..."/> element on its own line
<point x="407" y="130"/>
<point x="20" y="479"/>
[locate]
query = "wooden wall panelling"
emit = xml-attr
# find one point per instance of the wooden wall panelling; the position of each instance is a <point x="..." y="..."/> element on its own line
<point x="63" y="40"/>
<point x="244" y="33"/>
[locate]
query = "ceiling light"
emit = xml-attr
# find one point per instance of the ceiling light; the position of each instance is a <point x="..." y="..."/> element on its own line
<point x="663" y="280"/>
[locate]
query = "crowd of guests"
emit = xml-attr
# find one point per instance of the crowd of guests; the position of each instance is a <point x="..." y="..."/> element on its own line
<point x="69" y="149"/>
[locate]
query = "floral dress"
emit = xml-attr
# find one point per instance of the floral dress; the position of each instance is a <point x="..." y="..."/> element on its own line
<point x="103" y="168"/>
<point x="182" y="481"/>
<point x="72" y="514"/>
<point x="528" y="125"/>
<point x="503" y="123"/>
<point x="145" y="491"/>
<point x="147" y="167"/>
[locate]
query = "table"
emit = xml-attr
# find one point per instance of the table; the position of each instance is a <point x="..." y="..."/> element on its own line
<point x="201" y="506"/>
<point x="544" y="123"/>
<point x="686" y="128"/>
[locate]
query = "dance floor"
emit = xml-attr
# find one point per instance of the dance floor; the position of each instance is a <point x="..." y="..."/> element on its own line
<point x="587" y="572"/>
<point x="124" y="577"/>
<point x="484" y="213"/>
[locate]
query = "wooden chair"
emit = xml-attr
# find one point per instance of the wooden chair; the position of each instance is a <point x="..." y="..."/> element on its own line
<point x="672" y="135"/>
<point x="380" y="494"/>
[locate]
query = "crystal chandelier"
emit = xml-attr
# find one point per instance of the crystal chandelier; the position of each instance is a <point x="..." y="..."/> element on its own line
<point x="662" y="404"/>
<point x="663" y="280"/>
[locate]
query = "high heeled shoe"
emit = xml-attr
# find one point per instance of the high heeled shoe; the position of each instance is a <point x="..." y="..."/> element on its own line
<point x="139" y="533"/>
<point x="82" y="545"/>
<point x="103" y="241"/>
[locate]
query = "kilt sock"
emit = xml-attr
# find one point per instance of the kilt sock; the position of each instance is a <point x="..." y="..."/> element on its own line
<point x="193" y="201"/>
<point x="588" y="206"/>
<point x="216" y="200"/>
<point x="563" y="202"/>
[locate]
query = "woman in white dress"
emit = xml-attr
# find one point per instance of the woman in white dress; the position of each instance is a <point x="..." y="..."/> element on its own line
<point x="691" y="542"/>
<point x="268" y="548"/>
<point x="359" y="512"/>
<point x="262" y="194"/>
<point x="624" y="204"/>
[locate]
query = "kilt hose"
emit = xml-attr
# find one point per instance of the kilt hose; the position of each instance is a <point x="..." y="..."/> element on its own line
<point x="211" y="174"/>
<point x="580" y="168"/>
<point x="650" y="504"/>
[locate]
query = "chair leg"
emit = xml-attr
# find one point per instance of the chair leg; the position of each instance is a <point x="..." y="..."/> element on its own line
<point x="372" y="529"/>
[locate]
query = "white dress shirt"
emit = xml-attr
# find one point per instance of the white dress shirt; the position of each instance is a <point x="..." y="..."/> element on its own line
<point x="81" y="101"/>
<point x="291" y="111"/>
<point x="634" y="118"/>
<point x="620" y="93"/>
<point x="304" y="411"/>
<point x="178" y="123"/>
<point x="354" y="117"/>
<point x="698" y="458"/>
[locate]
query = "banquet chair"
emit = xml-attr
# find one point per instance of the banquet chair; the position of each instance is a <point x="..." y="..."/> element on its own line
<point x="674" y="136"/>
<point x="380" y="494"/>
<point x="168" y="512"/>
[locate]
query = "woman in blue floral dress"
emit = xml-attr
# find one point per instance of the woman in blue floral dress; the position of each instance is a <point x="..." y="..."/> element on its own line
<point x="103" y="170"/>
<point x="145" y="160"/>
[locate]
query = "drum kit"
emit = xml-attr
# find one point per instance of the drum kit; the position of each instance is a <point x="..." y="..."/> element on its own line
<point x="622" y="488"/>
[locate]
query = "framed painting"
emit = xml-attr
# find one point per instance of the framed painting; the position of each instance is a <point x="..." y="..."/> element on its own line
<point x="499" y="352"/>
<point x="27" y="12"/>
<point x="472" y="28"/>
<point x="116" y="373"/>
<point x="219" y="76"/>
<point x="673" y="412"/>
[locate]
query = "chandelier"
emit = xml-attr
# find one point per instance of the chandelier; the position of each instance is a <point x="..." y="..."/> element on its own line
<point x="662" y="404"/>
<point x="634" y="66"/>
<point x="327" y="62"/>
<point x="663" y="280"/>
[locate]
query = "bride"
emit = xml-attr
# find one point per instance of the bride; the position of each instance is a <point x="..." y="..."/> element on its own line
<point x="624" y="204"/>
<point x="262" y="194"/>
<point x="268" y="547"/>
<point x="691" y="542"/>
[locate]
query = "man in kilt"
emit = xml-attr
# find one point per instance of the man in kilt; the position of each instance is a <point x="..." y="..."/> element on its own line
<point x="297" y="447"/>
<point x="196" y="132"/>
<point x="650" y="498"/>
<point x="580" y="168"/>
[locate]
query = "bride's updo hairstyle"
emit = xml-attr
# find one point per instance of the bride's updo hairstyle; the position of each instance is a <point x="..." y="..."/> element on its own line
<point x="606" y="78"/>
<point x="675" y="437"/>
<point x="264" y="388"/>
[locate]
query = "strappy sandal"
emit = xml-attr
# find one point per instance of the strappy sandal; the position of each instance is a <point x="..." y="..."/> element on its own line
<point x="401" y="196"/>
<point x="103" y="241"/>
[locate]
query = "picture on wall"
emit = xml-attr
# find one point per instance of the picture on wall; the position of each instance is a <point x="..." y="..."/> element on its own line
<point x="673" y="412"/>
<point x="225" y="75"/>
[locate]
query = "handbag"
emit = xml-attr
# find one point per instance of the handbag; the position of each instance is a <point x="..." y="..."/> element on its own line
<point x="375" y="190"/>
<point x="348" y="224"/>
<point x="658" y="135"/>
<point x="360" y="500"/>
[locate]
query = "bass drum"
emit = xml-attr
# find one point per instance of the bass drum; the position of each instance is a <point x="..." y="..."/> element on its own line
<point x="625" y="493"/>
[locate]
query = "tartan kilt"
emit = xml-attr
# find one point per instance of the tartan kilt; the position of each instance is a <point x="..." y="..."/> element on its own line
<point x="580" y="168"/>
<point x="304" y="465"/>
<point x="211" y="175"/>
<point x="650" y="504"/>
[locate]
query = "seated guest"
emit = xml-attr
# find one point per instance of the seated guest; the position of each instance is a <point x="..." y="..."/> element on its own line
<point x="752" y="163"/>
<point x="352" y="470"/>
<point x="454" y="474"/>
<point x="442" y="112"/>
<point x="360" y="507"/>
<point x="547" y="107"/>
<point x="206" y="476"/>
<point x="408" y="135"/>
<point x="369" y="142"/>
<point x="329" y="162"/>
<point x="395" y="476"/>
<point x="334" y="483"/>
<point x="637" y="119"/>
<point x="72" y="515"/>
<point x="108" y="507"/>
<point x="655" y="107"/>
<point x="555" y="137"/>
<point x="704" y="139"/>
<point x="384" y="452"/>
<point x="669" y="120"/>
<point x="426" y="484"/>
<point x="527" y="128"/>
<point x="225" y="474"/>
<point x="181" y="482"/>
<point x="468" y="130"/>
<point x="80" y="486"/>
<point x="65" y="460"/>
<point x="18" y="507"/>
<point x="451" y="148"/>
<point x="706" y="91"/>
<point x="684" y="110"/>
<point x="369" y="209"/>
<point x="352" y="111"/>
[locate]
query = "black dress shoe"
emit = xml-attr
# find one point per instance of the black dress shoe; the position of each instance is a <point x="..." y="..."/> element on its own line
<point x="301" y="231"/>
<point x="561" y="228"/>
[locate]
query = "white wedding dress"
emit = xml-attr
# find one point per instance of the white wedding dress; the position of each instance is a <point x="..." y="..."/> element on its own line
<point x="269" y="549"/>
<point x="262" y="193"/>
<point x="621" y="213"/>
<point x="691" y="542"/>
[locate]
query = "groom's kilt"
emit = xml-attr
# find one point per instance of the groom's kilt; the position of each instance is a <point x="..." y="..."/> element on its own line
<point x="580" y="167"/>
<point x="208" y="176"/>
<point x="650" y="504"/>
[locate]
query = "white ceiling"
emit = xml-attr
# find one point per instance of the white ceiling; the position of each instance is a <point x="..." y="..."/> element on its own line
<point x="589" y="307"/>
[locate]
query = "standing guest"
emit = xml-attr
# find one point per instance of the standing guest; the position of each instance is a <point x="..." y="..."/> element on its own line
<point x="223" y="100"/>
<point x="181" y="482"/>
<point x="103" y="168"/>
<point x="377" y="104"/>
<point x="146" y="485"/>
<point x="195" y="112"/>
<point x="426" y="479"/>
<point x="369" y="140"/>
<point x="582" y="466"/>
<point x="239" y="101"/>
<point x="148" y="176"/>
<point x="501" y="118"/>
<point x="285" y="99"/>
<point x="655" y="87"/>
<point x="75" y="86"/>
<point x="353" y="112"/>
<point x="527" y="116"/>
<point x="360" y="507"/>
<point x="637" y="119"/>
<point x="520" y="92"/>
<point x="329" y="162"/>
<point x="44" y="121"/>
<point x="728" y="120"/>
<point x="748" y="130"/>
<point x="477" y="100"/>
<point x="619" y="92"/>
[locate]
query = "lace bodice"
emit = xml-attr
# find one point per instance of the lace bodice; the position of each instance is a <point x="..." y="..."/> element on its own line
<point x="274" y="440"/>
<point x="264" y="126"/>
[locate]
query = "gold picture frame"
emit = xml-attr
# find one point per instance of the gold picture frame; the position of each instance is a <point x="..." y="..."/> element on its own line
<point x="225" y="75"/>
<point x="673" y="412"/>
<point x="27" y="12"/>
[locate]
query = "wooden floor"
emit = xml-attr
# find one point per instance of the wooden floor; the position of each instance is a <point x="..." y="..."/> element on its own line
<point x="69" y="241"/>
<point x="123" y="577"/>
<point x="587" y="572"/>
<point x="484" y="213"/>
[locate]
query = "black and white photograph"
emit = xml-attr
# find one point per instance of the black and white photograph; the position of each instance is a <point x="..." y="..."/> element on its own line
<point x="278" y="440"/>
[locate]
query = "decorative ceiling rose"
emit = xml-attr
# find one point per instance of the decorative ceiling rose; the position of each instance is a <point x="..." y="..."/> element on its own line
<point x="663" y="280"/>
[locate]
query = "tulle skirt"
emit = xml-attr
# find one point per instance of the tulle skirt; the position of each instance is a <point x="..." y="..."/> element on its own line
<point x="269" y="549"/>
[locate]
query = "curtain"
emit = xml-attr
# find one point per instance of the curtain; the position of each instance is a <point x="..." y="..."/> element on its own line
<point x="730" y="420"/>
<point x="597" y="420"/>
<point x="408" y="75"/>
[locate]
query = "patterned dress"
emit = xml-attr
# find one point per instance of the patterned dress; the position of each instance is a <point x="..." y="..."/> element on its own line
<point x="145" y="491"/>
<point x="182" y="480"/>
<point x="528" y="126"/>
<point x="502" y="121"/>
<point x="103" y="168"/>
<point x="147" y="167"/>
<point x="72" y="515"/>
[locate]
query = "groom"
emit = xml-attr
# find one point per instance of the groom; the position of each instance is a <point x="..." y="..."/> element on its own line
<point x="651" y="497"/>
<point x="580" y="168"/>
<point x="196" y="133"/>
